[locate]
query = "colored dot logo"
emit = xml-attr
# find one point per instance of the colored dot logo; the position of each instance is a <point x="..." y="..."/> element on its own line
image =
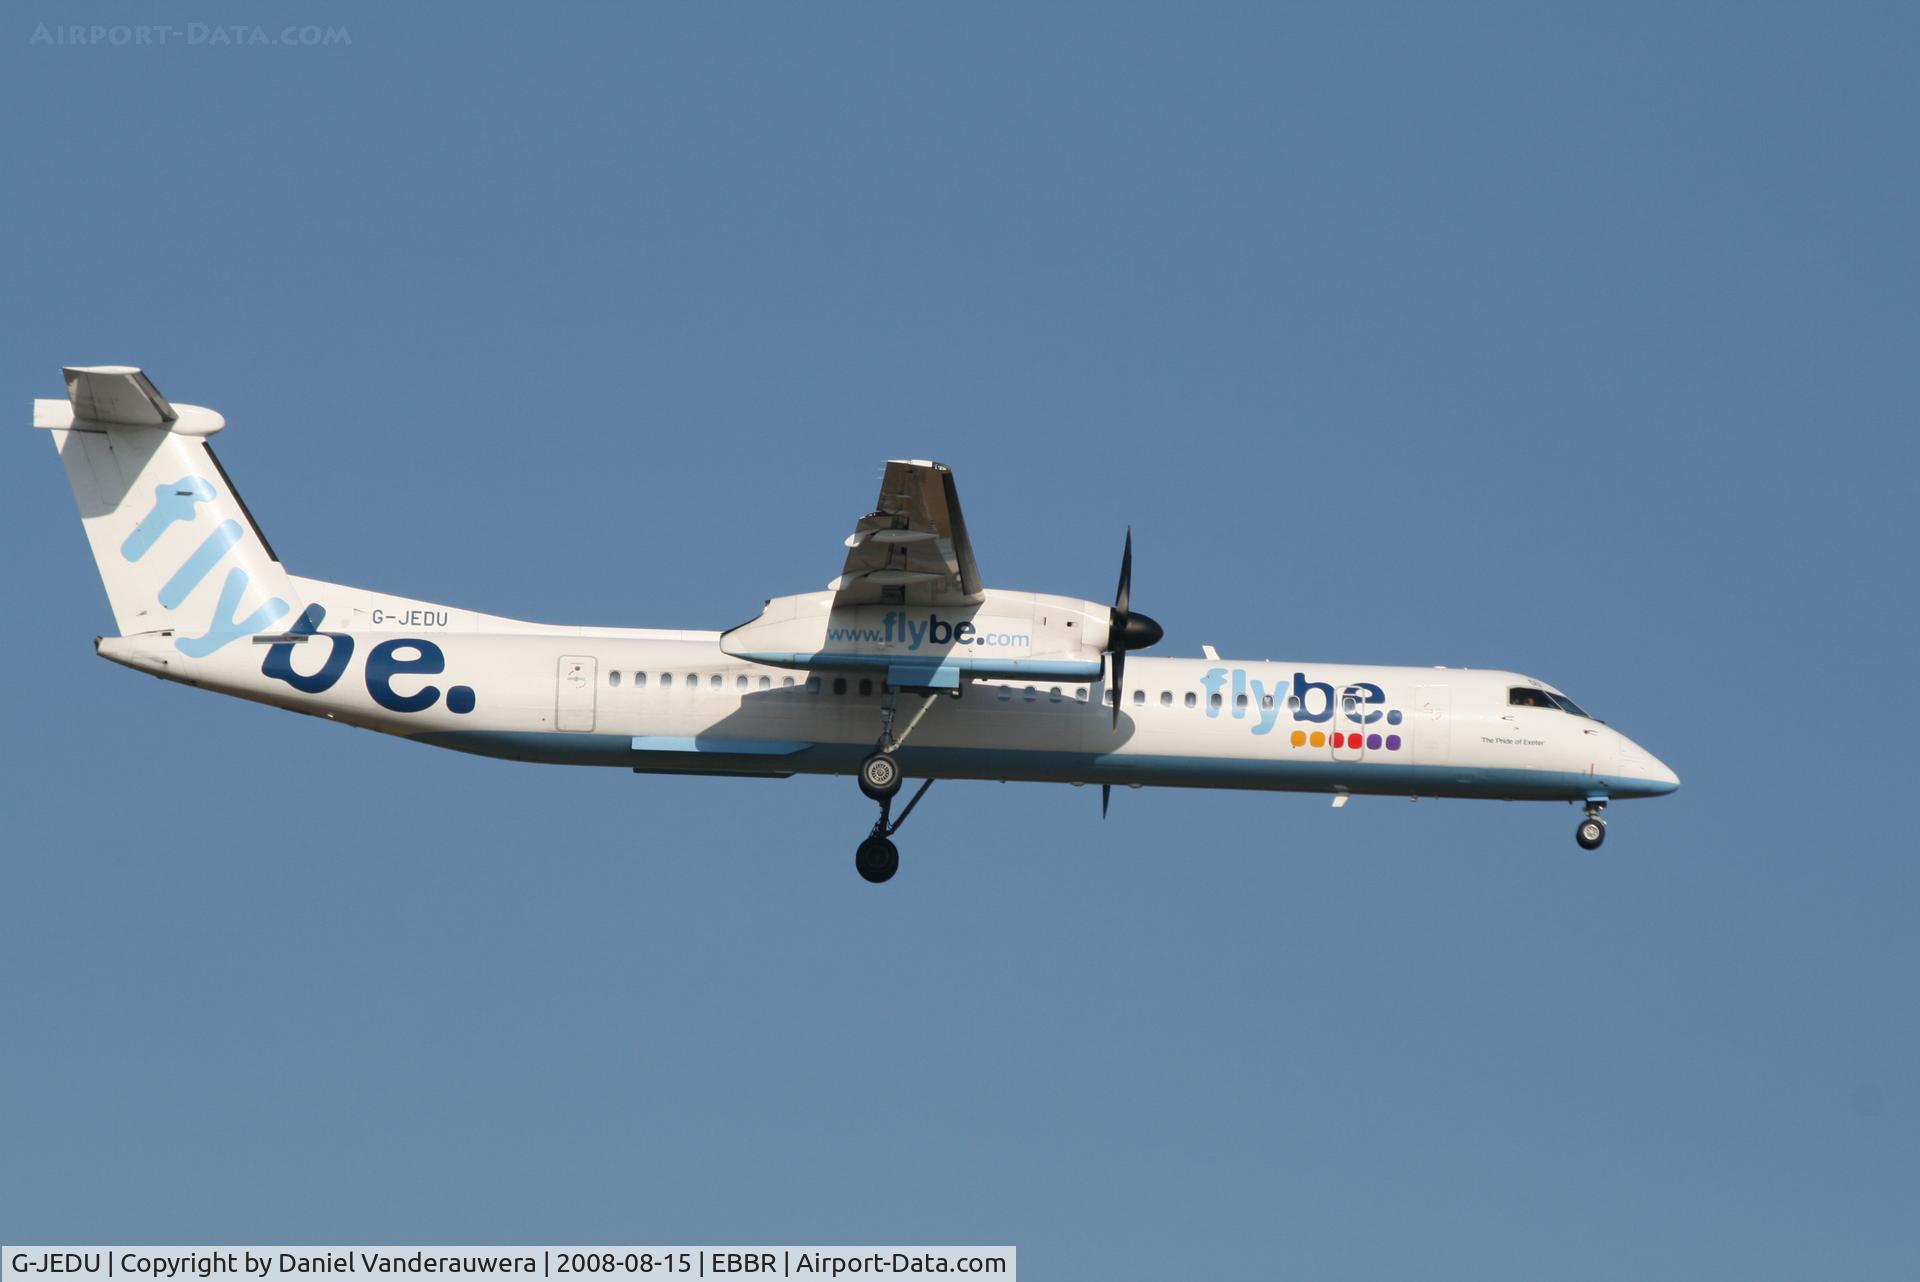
<point x="1342" y="739"/>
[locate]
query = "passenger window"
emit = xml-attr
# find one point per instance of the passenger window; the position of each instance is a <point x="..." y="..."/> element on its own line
<point x="1528" y="697"/>
<point x="1240" y="701"/>
<point x="639" y="680"/>
<point x="1192" y="700"/>
<point x="1213" y="700"/>
<point x="813" y="685"/>
<point x="766" y="683"/>
<point x="1080" y="694"/>
<point x="1293" y="703"/>
<point x="1139" y="698"/>
<point x="839" y="685"/>
<point x="693" y="680"/>
<point x="1053" y="695"/>
<point x="666" y="680"/>
<point x="1106" y="697"/>
<point x="1166" y="698"/>
<point x="740" y="682"/>
<point x="1029" y="694"/>
<point x="613" y="677"/>
<point x="866" y="686"/>
<point x="1003" y="693"/>
<point x="786" y="683"/>
<point x="1266" y="701"/>
<point x="715" y="681"/>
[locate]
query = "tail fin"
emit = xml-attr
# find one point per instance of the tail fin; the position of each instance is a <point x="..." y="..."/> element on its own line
<point x="176" y="548"/>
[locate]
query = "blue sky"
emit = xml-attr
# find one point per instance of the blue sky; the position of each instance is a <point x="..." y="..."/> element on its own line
<point x="1580" y="344"/>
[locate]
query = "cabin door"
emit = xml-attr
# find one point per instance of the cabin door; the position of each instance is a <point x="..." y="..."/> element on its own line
<point x="573" y="702"/>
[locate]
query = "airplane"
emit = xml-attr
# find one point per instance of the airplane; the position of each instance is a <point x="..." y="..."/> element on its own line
<point x="906" y="665"/>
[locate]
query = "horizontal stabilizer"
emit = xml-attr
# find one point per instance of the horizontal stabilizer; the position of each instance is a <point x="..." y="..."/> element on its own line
<point x="119" y="395"/>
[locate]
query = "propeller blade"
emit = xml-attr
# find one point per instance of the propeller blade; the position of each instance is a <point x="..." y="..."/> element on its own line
<point x="1126" y="630"/>
<point x="1106" y="795"/>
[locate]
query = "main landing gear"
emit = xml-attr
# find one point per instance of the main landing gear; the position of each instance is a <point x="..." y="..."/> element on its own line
<point x="880" y="776"/>
<point x="877" y="858"/>
<point x="1593" y="829"/>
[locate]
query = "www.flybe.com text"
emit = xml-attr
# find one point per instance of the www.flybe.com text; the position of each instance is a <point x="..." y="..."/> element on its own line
<point x="897" y="629"/>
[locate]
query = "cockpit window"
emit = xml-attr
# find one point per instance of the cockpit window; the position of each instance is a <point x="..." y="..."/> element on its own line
<point x="1529" y="697"/>
<point x="1567" y="705"/>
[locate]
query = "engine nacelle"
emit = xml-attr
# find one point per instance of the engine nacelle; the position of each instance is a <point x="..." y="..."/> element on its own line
<point x="933" y="645"/>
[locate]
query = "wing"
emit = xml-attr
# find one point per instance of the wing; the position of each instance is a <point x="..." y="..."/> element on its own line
<point x="913" y="546"/>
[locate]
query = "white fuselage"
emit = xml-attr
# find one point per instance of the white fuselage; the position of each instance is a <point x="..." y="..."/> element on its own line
<point x="675" y="702"/>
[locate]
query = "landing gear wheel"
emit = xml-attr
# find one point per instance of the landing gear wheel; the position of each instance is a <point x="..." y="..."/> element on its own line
<point x="1591" y="832"/>
<point x="877" y="859"/>
<point x="879" y="777"/>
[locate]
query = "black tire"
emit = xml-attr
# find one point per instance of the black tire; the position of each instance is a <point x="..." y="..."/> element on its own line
<point x="877" y="859"/>
<point x="879" y="776"/>
<point x="1590" y="833"/>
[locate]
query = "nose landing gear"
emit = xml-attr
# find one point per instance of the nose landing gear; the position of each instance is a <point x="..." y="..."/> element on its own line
<point x="1593" y="829"/>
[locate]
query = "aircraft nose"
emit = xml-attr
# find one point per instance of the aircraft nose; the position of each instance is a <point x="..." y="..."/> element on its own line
<point x="1650" y="776"/>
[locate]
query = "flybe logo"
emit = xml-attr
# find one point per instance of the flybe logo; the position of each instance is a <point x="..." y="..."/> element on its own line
<point x="897" y="628"/>
<point x="1314" y="702"/>
<point x="180" y="501"/>
<point x="403" y="656"/>
<point x="406" y="656"/>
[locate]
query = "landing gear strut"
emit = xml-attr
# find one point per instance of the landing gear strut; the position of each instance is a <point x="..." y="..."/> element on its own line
<point x="1593" y="829"/>
<point x="889" y="705"/>
<point x="877" y="858"/>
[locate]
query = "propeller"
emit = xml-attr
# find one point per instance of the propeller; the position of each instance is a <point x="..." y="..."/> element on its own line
<point x="1127" y="631"/>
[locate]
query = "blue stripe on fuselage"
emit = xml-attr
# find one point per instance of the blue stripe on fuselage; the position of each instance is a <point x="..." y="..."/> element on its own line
<point x="1265" y="774"/>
